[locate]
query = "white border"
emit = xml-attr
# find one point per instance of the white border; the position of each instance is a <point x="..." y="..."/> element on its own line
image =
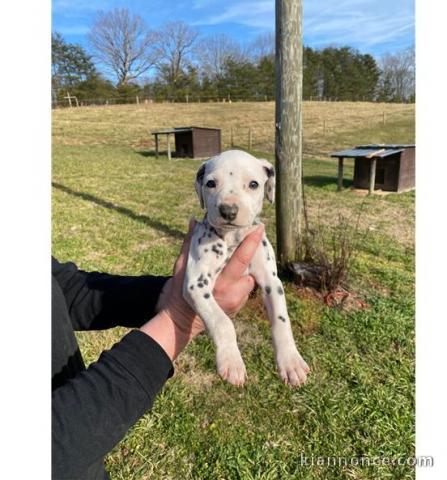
<point x="25" y="239"/>
<point x="431" y="239"/>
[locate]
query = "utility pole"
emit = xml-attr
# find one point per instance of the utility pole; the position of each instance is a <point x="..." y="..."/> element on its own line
<point x="288" y="137"/>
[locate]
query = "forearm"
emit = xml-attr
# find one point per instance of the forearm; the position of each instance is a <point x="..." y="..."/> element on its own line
<point x="97" y="300"/>
<point x="93" y="411"/>
<point x="166" y="332"/>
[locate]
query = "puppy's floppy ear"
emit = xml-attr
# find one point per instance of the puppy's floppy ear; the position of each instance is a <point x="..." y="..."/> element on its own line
<point x="199" y="183"/>
<point x="269" y="187"/>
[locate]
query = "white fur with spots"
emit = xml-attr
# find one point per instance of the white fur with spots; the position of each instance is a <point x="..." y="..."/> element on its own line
<point x="227" y="179"/>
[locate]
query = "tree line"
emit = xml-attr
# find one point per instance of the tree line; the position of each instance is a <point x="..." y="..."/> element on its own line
<point x="175" y="64"/>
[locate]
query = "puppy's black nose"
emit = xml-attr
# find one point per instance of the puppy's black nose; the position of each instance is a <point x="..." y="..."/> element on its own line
<point x="228" y="212"/>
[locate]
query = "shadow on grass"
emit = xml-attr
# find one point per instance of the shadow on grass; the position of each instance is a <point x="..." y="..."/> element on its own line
<point x="164" y="153"/>
<point x="157" y="225"/>
<point x="151" y="153"/>
<point x="324" y="180"/>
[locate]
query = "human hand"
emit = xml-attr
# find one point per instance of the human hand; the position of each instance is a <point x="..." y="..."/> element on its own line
<point x="231" y="290"/>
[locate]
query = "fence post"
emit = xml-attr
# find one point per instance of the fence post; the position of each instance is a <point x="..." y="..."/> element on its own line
<point x="231" y="137"/>
<point x="69" y="99"/>
<point x="137" y="100"/>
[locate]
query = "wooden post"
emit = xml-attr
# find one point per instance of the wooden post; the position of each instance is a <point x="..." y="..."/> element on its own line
<point x="137" y="100"/>
<point x="340" y="174"/>
<point x="69" y="99"/>
<point x="169" y="146"/>
<point x="249" y="139"/>
<point x="288" y="144"/>
<point x="231" y="137"/>
<point x="156" y="145"/>
<point x="372" y="175"/>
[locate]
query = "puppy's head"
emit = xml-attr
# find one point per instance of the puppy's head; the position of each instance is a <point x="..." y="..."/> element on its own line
<point x="231" y="187"/>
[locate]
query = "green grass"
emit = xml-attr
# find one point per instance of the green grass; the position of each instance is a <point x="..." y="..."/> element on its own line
<point x="119" y="210"/>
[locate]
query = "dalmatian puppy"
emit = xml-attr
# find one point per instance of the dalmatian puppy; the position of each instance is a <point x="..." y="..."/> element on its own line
<point x="231" y="187"/>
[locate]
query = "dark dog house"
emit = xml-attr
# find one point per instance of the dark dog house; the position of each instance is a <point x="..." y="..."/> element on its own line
<point x="380" y="167"/>
<point x="193" y="142"/>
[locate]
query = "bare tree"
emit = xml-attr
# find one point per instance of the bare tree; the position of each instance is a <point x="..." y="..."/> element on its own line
<point x="262" y="46"/>
<point x="175" y="45"/>
<point x="214" y="52"/>
<point x="398" y="75"/>
<point x="123" y="43"/>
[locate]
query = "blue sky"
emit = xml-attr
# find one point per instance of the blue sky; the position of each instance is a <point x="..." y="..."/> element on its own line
<point x="371" y="26"/>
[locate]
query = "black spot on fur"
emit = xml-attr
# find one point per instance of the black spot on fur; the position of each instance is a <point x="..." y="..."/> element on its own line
<point x="231" y="173"/>
<point x="218" y="270"/>
<point x="192" y="287"/>
<point x="274" y="274"/>
<point x="268" y="290"/>
<point x="280" y="291"/>
<point x="209" y="275"/>
<point x="218" y="251"/>
<point x="200" y="279"/>
<point x="281" y="318"/>
<point x="206" y="250"/>
<point x="269" y="171"/>
<point x="207" y="295"/>
<point x="200" y="285"/>
<point x="200" y="174"/>
<point x="264" y="242"/>
<point x="205" y="281"/>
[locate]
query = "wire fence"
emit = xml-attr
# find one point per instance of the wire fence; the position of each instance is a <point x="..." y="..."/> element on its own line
<point x="324" y="128"/>
<point x="73" y="101"/>
<point x="318" y="132"/>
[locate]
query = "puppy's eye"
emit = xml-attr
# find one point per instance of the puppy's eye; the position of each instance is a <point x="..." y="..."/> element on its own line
<point x="253" y="184"/>
<point x="211" y="184"/>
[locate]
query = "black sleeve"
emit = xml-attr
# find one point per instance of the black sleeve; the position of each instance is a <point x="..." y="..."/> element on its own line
<point x="97" y="301"/>
<point x="92" y="412"/>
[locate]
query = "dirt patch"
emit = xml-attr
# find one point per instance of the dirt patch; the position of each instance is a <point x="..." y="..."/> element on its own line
<point x="191" y="374"/>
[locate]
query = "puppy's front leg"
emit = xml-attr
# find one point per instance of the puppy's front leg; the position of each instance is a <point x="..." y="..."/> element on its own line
<point x="206" y="259"/>
<point x="291" y="366"/>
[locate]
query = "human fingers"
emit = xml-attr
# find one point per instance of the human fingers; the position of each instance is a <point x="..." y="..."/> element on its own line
<point x="232" y="296"/>
<point x="242" y="256"/>
<point x="244" y="285"/>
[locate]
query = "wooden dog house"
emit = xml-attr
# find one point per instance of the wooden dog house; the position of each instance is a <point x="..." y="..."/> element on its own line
<point x="193" y="142"/>
<point x="380" y="167"/>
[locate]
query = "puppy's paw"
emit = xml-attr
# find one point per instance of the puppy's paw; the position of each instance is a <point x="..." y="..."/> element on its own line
<point x="230" y="366"/>
<point x="292" y="368"/>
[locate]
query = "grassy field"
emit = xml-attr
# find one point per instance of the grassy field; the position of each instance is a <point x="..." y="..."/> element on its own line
<point x="118" y="209"/>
